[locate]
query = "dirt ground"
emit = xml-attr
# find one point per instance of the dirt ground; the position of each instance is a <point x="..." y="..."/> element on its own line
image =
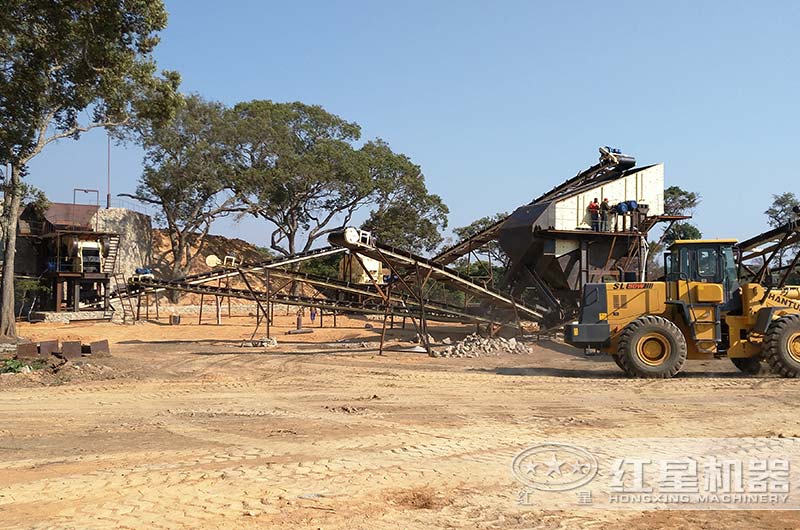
<point x="181" y="427"/>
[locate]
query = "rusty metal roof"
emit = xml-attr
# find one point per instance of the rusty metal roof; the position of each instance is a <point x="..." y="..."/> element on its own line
<point x="61" y="214"/>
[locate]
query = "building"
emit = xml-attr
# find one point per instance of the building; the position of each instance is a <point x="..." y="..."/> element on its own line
<point x="79" y="251"/>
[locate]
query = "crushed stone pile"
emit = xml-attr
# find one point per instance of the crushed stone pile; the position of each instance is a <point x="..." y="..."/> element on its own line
<point x="476" y="346"/>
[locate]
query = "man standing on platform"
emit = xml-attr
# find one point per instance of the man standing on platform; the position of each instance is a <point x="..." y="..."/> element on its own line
<point x="605" y="215"/>
<point x="594" y="212"/>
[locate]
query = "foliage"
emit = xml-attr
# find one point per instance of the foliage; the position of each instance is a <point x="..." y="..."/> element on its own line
<point x="781" y="211"/>
<point x="405" y="214"/>
<point x="59" y="59"/>
<point x="30" y="285"/>
<point x="295" y="165"/>
<point x="678" y="201"/>
<point x="493" y="247"/>
<point x="326" y="266"/>
<point x="682" y="231"/>
<point x="480" y="271"/>
<point x="15" y="366"/>
<point x="185" y="172"/>
<point x="29" y="196"/>
<point x="64" y="61"/>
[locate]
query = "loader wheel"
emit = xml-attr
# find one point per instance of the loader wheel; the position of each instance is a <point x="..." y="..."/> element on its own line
<point x="782" y="346"/>
<point x="652" y="347"/>
<point x="618" y="361"/>
<point x="748" y="365"/>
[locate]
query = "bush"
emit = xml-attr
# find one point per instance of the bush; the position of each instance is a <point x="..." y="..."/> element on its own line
<point x="15" y="366"/>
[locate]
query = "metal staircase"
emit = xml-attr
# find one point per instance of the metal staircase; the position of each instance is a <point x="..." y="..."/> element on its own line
<point x="110" y="262"/>
<point x="702" y="319"/>
<point x="122" y="293"/>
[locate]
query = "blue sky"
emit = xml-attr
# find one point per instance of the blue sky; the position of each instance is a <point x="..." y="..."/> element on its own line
<point x="499" y="101"/>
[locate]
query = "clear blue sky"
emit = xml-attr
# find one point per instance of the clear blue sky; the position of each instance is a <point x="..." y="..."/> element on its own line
<point x="498" y="101"/>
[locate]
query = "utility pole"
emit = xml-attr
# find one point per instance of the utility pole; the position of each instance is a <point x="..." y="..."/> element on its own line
<point x="108" y="173"/>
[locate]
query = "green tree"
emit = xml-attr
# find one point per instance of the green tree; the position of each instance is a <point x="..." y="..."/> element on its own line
<point x="405" y="215"/>
<point x="678" y="201"/>
<point x="63" y="61"/>
<point x="491" y="249"/>
<point x="29" y="196"/>
<point x="297" y="167"/>
<point x="185" y="174"/>
<point x="780" y="212"/>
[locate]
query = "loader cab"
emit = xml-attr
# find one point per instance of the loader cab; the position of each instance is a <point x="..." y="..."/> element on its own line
<point x="703" y="261"/>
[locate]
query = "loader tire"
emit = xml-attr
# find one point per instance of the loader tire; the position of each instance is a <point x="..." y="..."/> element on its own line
<point x="652" y="347"/>
<point x="618" y="361"/>
<point x="749" y="365"/>
<point x="782" y="346"/>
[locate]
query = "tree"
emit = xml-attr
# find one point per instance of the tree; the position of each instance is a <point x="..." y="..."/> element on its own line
<point x="297" y="167"/>
<point x="58" y="60"/>
<point x="185" y="173"/>
<point x="781" y="211"/>
<point x="412" y="226"/>
<point x="29" y="196"/>
<point x="678" y="201"/>
<point x="491" y="249"/>
<point x="406" y="215"/>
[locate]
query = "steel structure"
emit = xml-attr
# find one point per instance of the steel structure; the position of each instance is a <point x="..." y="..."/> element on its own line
<point x="541" y="285"/>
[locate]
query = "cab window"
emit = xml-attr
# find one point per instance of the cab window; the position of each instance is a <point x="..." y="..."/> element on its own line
<point x="707" y="263"/>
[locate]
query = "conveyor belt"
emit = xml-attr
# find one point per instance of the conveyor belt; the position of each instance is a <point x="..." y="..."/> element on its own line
<point x="752" y="248"/>
<point x="370" y="306"/>
<point x="405" y="260"/>
<point x="370" y="291"/>
<point x="466" y="246"/>
<point x="273" y="263"/>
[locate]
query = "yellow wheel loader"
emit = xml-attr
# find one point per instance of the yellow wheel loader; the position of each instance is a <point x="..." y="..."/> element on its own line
<point x="705" y="307"/>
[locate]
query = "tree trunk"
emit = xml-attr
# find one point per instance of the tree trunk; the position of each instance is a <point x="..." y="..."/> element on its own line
<point x="295" y="288"/>
<point x="8" y="323"/>
<point x="178" y="271"/>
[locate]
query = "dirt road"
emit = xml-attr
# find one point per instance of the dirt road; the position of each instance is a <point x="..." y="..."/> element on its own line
<point x="178" y="433"/>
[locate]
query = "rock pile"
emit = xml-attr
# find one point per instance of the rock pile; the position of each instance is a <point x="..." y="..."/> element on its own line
<point x="266" y="342"/>
<point x="476" y="346"/>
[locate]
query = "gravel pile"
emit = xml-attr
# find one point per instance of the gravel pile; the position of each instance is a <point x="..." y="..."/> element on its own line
<point x="266" y="342"/>
<point x="476" y="346"/>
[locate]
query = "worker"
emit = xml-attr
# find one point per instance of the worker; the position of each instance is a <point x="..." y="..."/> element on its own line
<point x="594" y="212"/>
<point x="605" y="215"/>
<point x="313" y="314"/>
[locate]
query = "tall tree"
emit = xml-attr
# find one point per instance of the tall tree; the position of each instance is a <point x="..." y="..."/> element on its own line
<point x="678" y="201"/>
<point x="781" y="211"/>
<point x="185" y="175"/>
<point x="57" y="60"/>
<point x="405" y="214"/>
<point x="297" y="167"/>
<point x="491" y="249"/>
